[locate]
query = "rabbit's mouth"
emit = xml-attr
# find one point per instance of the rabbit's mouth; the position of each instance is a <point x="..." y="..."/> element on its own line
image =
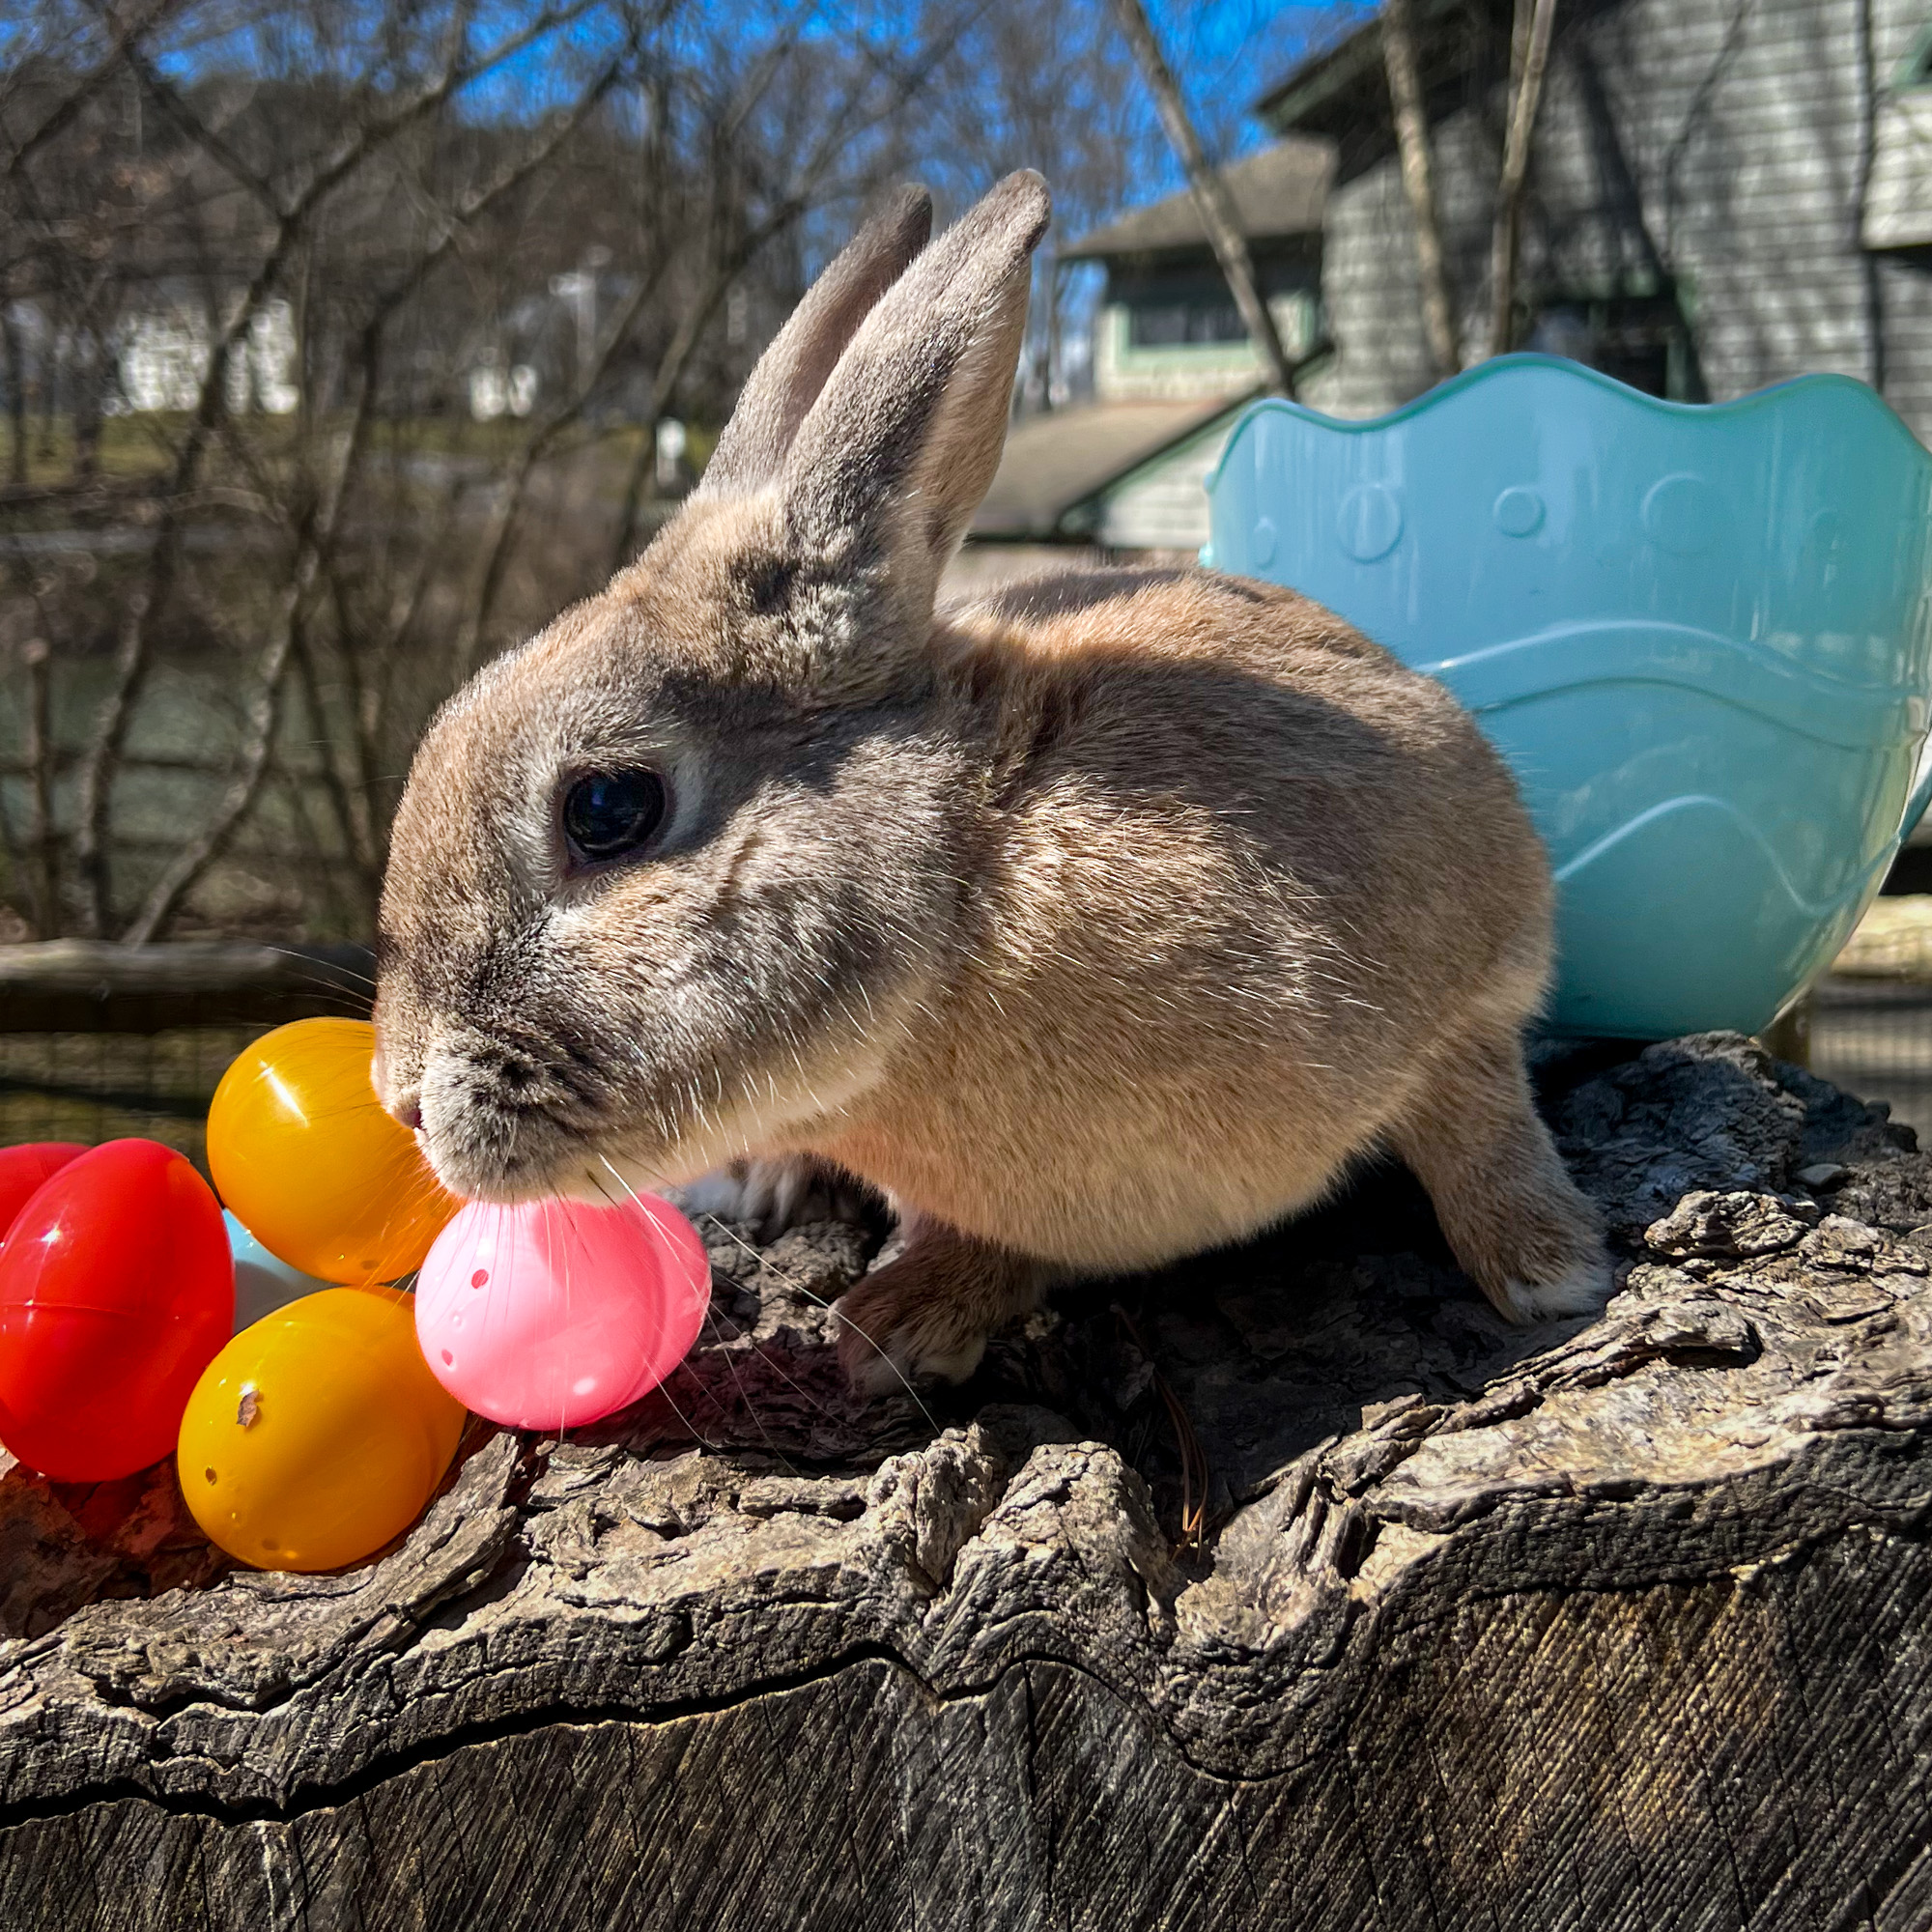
<point x="513" y="1155"/>
<point x="495" y="1128"/>
<point x="504" y="1122"/>
<point x="563" y="1170"/>
<point x="500" y="1121"/>
<point x="492" y="1153"/>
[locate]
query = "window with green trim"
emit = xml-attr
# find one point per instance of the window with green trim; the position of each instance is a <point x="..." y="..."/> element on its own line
<point x="1916" y="69"/>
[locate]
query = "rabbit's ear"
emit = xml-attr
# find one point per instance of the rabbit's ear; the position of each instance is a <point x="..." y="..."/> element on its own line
<point x="793" y="370"/>
<point x="899" y="450"/>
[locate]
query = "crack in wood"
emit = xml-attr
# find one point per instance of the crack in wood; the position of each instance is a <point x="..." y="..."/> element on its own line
<point x="1494" y="1620"/>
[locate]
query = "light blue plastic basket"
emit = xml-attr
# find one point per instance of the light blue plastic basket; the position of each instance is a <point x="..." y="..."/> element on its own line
<point x="1701" y="635"/>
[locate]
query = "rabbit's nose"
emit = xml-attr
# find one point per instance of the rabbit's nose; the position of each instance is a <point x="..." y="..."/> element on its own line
<point x="408" y="1111"/>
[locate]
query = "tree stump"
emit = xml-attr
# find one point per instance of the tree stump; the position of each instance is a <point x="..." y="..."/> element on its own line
<point x="1607" y="1625"/>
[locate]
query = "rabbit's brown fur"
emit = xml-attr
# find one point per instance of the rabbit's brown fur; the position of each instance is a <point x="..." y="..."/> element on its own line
<point x="1097" y="923"/>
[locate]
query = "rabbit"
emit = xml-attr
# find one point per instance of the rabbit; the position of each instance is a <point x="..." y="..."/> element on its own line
<point x="1103" y="922"/>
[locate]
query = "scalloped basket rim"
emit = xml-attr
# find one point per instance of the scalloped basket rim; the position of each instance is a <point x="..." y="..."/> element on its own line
<point x="1507" y="368"/>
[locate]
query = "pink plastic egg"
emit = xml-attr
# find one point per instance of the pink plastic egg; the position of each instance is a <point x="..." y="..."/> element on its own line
<point x="551" y="1314"/>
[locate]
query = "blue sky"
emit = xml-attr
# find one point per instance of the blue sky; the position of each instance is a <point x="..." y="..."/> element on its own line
<point x="1226" y="53"/>
<point x="1225" y="50"/>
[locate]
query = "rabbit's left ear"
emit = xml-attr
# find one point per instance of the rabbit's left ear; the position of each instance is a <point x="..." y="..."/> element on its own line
<point x="793" y="370"/>
<point x="894" y="457"/>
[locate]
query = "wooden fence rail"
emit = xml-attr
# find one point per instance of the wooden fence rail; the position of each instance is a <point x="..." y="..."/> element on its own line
<point x="85" y="985"/>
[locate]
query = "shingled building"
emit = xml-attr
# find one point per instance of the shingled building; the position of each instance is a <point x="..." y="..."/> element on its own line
<point x="1171" y="365"/>
<point x="1720" y="197"/>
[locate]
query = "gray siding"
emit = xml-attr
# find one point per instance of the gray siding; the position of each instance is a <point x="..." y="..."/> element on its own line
<point x="1720" y="142"/>
<point x="1164" y="506"/>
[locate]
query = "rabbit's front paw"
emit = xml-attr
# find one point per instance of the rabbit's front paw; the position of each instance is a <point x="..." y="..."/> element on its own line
<point x="895" y="1332"/>
<point x="772" y="1196"/>
<point x="925" y="1315"/>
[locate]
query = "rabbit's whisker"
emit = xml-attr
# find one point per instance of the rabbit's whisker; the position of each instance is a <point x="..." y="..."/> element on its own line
<point x="749" y="1406"/>
<point x="799" y="1288"/>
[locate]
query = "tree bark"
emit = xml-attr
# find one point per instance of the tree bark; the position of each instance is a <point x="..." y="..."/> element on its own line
<point x="17" y="398"/>
<point x="1412" y="133"/>
<point x="1622" y="1624"/>
<point x="1529" y="49"/>
<point x="1215" y="205"/>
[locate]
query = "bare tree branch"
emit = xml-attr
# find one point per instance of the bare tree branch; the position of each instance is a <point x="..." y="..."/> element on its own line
<point x="126" y="37"/>
<point x="1412" y="131"/>
<point x="1211" y="198"/>
<point x="316" y="542"/>
<point x="194" y="857"/>
<point x="1529" y="59"/>
<point x="265" y="703"/>
<point x="133" y="658"/>
<point x="210" y="140"/>
<point x="510" y="498"/>
<point x="317" y="568"/>
<point x="850" y="124"/>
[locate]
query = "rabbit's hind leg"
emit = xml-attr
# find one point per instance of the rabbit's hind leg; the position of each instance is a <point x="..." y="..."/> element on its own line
<point x="1522" y="1230"/>
<point x="925" y="1315"/>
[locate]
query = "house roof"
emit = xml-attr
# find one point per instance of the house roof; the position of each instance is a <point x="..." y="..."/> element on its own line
<point x="1322" y="96"/>
<point x="1056" y="462"/>
<point x="1280" y="191"/>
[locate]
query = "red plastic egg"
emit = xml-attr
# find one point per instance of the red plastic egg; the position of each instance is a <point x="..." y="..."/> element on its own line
<point x="23" y="1168"/>
<point x="117" y="1289"/>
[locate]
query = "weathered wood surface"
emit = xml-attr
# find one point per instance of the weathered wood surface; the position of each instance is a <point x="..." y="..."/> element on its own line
<point x="1622" y="1626"/>
<point x="1894" y="941"/>
<point x="80" y="985"/>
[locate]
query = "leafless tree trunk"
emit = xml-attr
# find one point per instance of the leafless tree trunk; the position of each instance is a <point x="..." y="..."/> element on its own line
<point x="1412" y="131"/>
<point x="1641" y="1614"/>
<point x="1871" y="262"/>
<point x="233" y="693"/>
<point x="17" y="399"/>
<point x="1529" y="61"/>
<point x="1211" y="195"/>
<point x="39" y="750"/>
<point x="291" y="217"/>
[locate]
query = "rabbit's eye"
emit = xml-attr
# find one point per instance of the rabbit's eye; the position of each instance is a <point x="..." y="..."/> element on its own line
<point x="609" y="814"/>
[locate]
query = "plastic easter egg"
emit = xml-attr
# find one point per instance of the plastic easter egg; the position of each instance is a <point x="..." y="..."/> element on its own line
<point x="116" y="1289"/>
<point x="313" y="1167"/>
<point x="23" y="1168"/>
<point x="317" y="1435"/>
<point x="263" y="1282"/>
<point x="551" y="1314"/>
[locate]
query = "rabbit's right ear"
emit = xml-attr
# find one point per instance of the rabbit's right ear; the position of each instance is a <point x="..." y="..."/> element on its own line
<point x="790" y="374"/>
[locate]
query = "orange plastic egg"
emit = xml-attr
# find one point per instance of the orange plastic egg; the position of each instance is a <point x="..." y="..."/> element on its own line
<point x="317" y="1435"/>
<point x="308" y="1161"/>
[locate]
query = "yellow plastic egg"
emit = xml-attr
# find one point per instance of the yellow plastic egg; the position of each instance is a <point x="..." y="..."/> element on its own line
<point x="306" y="1159"/>
<point x="317" y="1435"/>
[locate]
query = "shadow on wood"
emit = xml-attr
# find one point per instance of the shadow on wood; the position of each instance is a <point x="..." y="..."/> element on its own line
<point x="80" y="985"/>
<point x="1621" y="1625"/>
